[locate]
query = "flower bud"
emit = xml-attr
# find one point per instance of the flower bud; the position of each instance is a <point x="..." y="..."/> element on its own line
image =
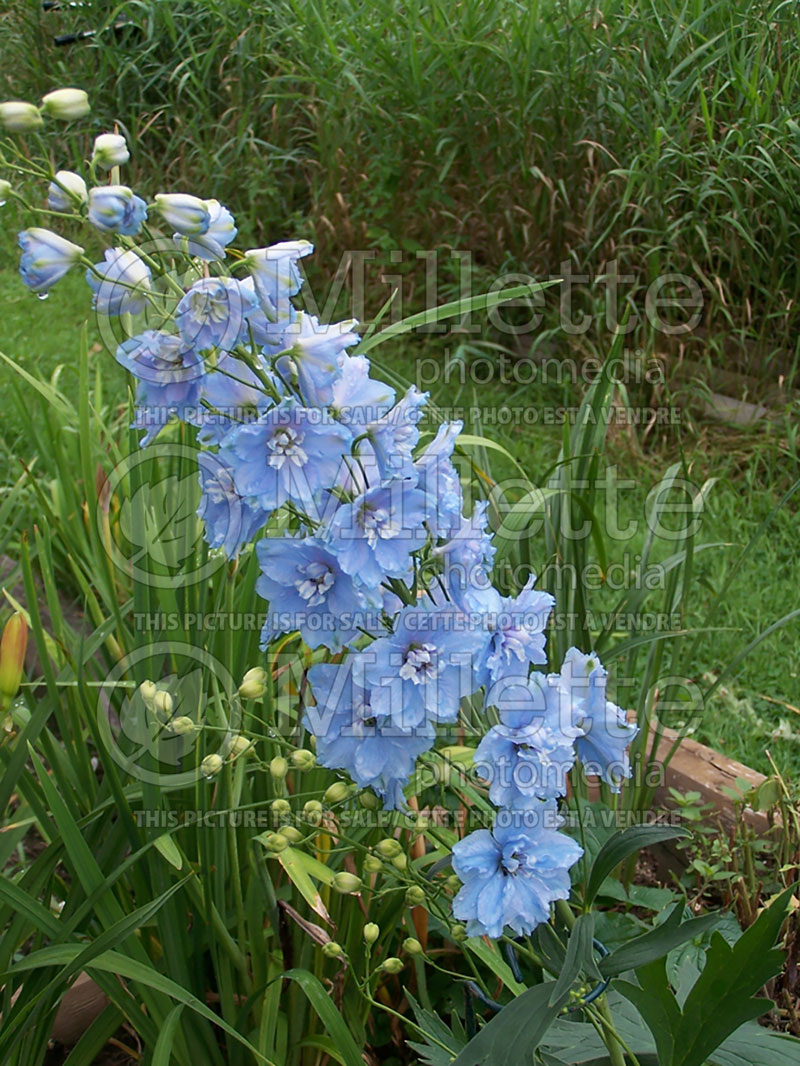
<point x="275" y="842"/>
<point x="412" y="946"/>
<point x="66" y="191"/>
<point x="458" y="934"/>
<point x="278" y="767"/>
<point x="66" y="104"/>
<point x="392" y="965"/>
<point x="347" y="883"/>
<point x="110" y="150"/>
<point x="335" y="793"/>
<point x="12" y="658"/>
<point x="369" y="800"/>
<point x="400" y="862"/>
<point x="211" y="765"/>
<point x="371" y="932"/>
<point x="415" y="895"/>
<point x="148" y="690"/>
<point x="312" y="811"/>
<point x="453" y="883"/>
<point x="162" y="704"/>
<point x="303" y="759"/>
<point x="281" y="808"/>
<point x="239" y="745"/>
<point x="116" y="209"/>
<point x="292" y="833"/>
<point x="5" y="190"/>
<point x="254" y="684"/>
<point x="332" y="950"/>
<point x="187" y="215"/>
<point x="372" y="864"/>
<point x="19" y="117"/>
<point x="182" y="726"/>
<point x="46" y="257"/>
<point x="388" y="848"/>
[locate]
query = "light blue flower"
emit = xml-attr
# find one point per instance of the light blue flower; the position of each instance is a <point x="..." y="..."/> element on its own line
<point x="308" y="590"/>
<point x="213" y="312"/>
<point x="420" y="672"/>
<point x="234" y="395"/>
<point x="66" y="191"/>
<point x="468" y="556"/>
<point x="528" y="756"/>
<point x="438" y="479"/>
<point x="116" y="209"/>
<point x="110" y="150"/>
<point x="603" y="748"/>
<point x="170" y="376"/>
<point x="45" y="258"/>
<point x="230" y="520"/>
<point x="210" y="245"/>
<point x="311" y="364"/>
<point x="395" y="435"/>
<point x="359" y="399"/>
<point x="291" y="453"/>
<point x="512" y="874"/>
<point x="275" y="271"/>
<point x="352" y="737"/>
<point x="123" y="282"/>
<point x="515" y="629"/>
<point x="187" y="214"/>
<point x="373" y="536"/>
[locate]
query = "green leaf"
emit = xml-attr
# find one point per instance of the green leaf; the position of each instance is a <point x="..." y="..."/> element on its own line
<point x="657" y="942"/>
<point x="330" y="1017"/>
<point x="490" y="956"/>
<point x="169" y="849"/>
<point x="162" y="1052"/>
<point x="512" y="1036"/>
<point x="623" y="844"/>
<point x="292" y="861"/>
<point x="579" y="956"/>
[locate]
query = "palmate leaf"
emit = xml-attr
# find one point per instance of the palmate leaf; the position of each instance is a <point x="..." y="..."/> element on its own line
<point x="720" y="1000"/>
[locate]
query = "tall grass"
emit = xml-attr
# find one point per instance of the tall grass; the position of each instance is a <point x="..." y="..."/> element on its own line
<point x="662" y="134"/>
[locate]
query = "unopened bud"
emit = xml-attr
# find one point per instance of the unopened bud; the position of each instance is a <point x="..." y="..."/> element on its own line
<point x="371" y="932"/>
<point x="275" y="842"/>
<point x="415" y="896"/>
<point x="20" y="117"/>
<point x="182" y="726"/>
<point x="110" y="150"/>
<point x="148" y="690"/>
<point x="292" y="833"/>
<point x="458" y="934"/>
<point x="281" y="808"/>
<point x="12" y="658"/>
<point x="5" y="190"/>
<point x="162" y="704"/>
<point x="332" y="950"/>
<point x="66" y="104"/>
<point x="239" y="746"/>
<point x="337" y="792"/>
<point x="372" y="864"/>
<point x="400" y="862"/>
<point x="211" y="765"/>
<point x="412" y="946"/>
<point x="312" y="811"/>
<point x="453" y="883"/>
<point x="279" y="767"/>
<point x="303" y="759"/>
<point x="369" y="800"/>
<point x="392" y="965"/>
<point x="347" y="883"/>
<point x="254" y="684"/>
<point x="388" y="848"/>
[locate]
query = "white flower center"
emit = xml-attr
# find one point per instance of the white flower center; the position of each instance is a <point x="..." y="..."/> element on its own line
<point x="286" y="448"/>
<point x="211" y="306"/>
<point x="378" y="525"/>
<point x="421" y="664"/>
<point x="315" y="584"/>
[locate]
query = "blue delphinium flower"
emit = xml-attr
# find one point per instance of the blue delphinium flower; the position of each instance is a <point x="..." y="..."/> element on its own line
<point x="120" y="283"/>
<point x="210" y="245"/>
<point x="213" y="312"/>
<point x="235" y="396"/>
<point x="230" y="520"/>
<point x="352" y="737"/>
<point x="66" y="191"/>
<point x="308" y="590"/>
<point x="438" y="479"/>
<point x="603" y="749"/>
<point x="291" y="453"/>
<point x="359" y="399"/>
<point x="421" y="671"/>
<point x="116" y="209"/>
<point x="515" y="631"/>
<point x="373" y="536"/>
<point x="275" y="272"/>
<point x="311" y="363"/>
<point x="170" y="376"/>
<point x="513" y="873"/>
<point x="468" y="556"/>
<point x="187" y="214"/>
<point x="528" y="756"/>
<point x="395" y="435"/>
<point x="46" y="257"/>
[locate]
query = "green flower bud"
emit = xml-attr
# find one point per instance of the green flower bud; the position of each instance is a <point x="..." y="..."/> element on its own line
<point x="332" y="950"/>
<point x="281" y="808"/>
<point x="211" y="765"/>
<point x="400" y="862"/>
<point x="239" y="746"/>
<point x="162" y="704"/>
<point x="371" y="932"/>
<point x="415" y="896"/>
<point x="292" y="833"/>
<point x="275" y="842"/>
<point x="335" y="793"/>
<point x="312" y="811"/>
<point x="148" y="691"/>
<point x="453" y="883"/>
<point x="66" y="104"/>
<point x="392" y="965"/>
<point x="110" y="150"/>
<point x="347" y="883"/>
<point x="13" y="645"/>
<point x="20" y="117"/>
<point x="254" y="684"/>
<point x="388" y="848"/>
<point x="303" y="759"/>
<point x="372" y="864"/>
<point x="412" y="946"/>
<point x="458" y="934"/>
<point x="369" y="800"/>
<point x="5" y="190"/>
<point x="279" y="767"/>
<point x="182" y="726"/>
